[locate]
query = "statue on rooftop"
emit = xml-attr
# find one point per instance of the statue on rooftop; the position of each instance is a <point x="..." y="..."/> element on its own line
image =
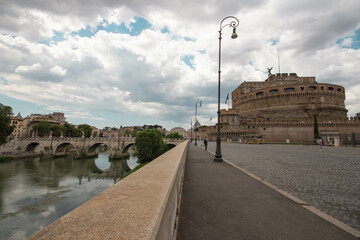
<point x="269" y="70"/>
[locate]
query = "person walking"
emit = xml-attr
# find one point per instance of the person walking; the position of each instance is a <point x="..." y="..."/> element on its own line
<point x="205" y="143"/>
<point x="320" y="143"/>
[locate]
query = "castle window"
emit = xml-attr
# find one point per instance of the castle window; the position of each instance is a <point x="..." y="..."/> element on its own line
<point x="289" y="89"/>
<point x="311" y="87"/>
<point x="259" y="94"/>
<point x="302" y="88"/>
<point x="330" y="88"/>
<point x="339" y="89"/>
<point x="273" y="91"/>
<point x="322" y="87"/>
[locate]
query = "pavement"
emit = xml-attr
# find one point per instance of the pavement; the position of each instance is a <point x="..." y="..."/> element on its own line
<point x="219" y="201"/>
<point x="328" y="180"/>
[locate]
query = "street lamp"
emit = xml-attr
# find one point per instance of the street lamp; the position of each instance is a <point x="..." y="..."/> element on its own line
<point x="233" y="24"/>
<point x="191" y="130"/>
<point x="197" y="102"/>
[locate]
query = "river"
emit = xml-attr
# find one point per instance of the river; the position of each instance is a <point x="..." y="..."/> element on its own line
<point x="35" y="192"/>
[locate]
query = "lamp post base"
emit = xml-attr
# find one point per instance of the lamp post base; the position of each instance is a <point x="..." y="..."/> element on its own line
<point x="218" y="155"/>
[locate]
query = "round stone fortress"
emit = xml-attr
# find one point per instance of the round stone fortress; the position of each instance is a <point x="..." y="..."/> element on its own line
<point x="282" y="109"/>
<point x="287" y="96"/>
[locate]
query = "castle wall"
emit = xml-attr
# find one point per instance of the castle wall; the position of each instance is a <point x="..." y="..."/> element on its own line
<point x="304" y="135"/>
<point x="326" y="99"/>
<point x="286" y="133"/>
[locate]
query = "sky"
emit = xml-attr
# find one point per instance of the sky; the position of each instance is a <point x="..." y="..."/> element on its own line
<point x="135" y="62"/>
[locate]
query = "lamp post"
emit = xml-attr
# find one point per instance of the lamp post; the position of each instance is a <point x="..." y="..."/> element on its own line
<point x="198" y="101"/>
<point x="191" y="130"/>
<point x="233" y="24"/>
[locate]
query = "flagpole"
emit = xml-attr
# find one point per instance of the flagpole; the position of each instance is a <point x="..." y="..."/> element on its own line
<point x="228" y="102"/>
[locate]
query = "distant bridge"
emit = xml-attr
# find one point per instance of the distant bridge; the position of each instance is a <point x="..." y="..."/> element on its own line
<point x="59" y="146"/>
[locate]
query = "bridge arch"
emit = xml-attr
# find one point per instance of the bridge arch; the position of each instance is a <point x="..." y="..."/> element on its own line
<point x="173" y="142"/>
<point x="63" y="147"/>
<point x="92" y="148"/>
<point x="127" y="146"/>
<point x="171" y="145"/>
<point x="33" y="147"/>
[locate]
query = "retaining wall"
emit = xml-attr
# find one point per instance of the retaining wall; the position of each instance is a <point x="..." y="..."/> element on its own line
<point x="141" y="206"/>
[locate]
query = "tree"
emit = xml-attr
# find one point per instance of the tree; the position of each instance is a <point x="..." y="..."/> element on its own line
<point x="174" y="135"/>
<point x="5" y="128"/>
<point x="57" y="130"/>
<point x="42" y="128"/>
<point x="71" y="131"/>
<point x="86" y="129"/>
<point x="149" y="145"/>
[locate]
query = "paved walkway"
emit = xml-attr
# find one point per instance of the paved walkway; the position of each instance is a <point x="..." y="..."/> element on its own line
<point x="221" y="202"/>
<point x="329" y="180"/>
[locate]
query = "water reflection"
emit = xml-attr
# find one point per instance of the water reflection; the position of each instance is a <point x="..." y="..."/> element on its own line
<point x="34" y="192"/>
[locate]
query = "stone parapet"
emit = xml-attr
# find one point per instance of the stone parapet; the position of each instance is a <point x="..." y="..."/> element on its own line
<point x="141" y="206"/>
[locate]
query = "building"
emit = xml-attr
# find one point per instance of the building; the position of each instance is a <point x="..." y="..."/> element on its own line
<point x="283" y="109"/>
<point x="59" y="117"/>
<point x="17" y="121"/>
<point x="28" y="122"/>
<point x="53" y="118"/>
<point x="288" y="96"/>
<point x="179" y="130"/>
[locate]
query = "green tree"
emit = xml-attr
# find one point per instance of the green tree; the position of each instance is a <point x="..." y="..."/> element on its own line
<point x="174" y="135"/>
<point x="42" y="129"/>
<point x="71" y="131"/>
<point x="57" y="130"/>
<point x="149" y="145"/>
<point x="86" y="129"/>
<point x="5" y="128"/>
<point x="94" y="134"/>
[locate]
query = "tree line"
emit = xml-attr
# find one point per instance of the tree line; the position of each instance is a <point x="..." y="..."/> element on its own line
<point x="44" y="129"/>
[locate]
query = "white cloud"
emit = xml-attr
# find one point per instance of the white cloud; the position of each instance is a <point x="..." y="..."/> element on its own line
<point x="347" y="42"/>
<point x="22" y="68"/>
<point x="144" y="76"/>
<point x="58" y="70"/>
<point x="79" y="115"/>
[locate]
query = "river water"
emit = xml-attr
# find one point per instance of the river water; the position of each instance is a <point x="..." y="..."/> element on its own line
<point x="34" y="192"/>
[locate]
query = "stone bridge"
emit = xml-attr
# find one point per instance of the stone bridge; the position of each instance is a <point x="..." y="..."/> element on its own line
<point x="84" y="147"/>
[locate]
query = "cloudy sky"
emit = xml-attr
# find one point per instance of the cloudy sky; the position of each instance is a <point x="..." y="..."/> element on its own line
<point x="136" y="62"/>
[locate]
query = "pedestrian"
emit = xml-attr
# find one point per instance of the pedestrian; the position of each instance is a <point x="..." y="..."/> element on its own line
<point x="205" y="143"/>
<point x="320" y="143"/>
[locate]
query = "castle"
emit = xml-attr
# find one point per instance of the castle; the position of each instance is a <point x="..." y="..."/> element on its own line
<point x="283" y="109"/>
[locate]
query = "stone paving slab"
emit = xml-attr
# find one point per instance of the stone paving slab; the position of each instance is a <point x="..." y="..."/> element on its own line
<point x="329" y="180"/>
<point x="221" y="202"/>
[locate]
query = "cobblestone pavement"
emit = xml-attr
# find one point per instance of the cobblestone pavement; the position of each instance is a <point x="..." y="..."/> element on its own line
<point x="328" y="180"/>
